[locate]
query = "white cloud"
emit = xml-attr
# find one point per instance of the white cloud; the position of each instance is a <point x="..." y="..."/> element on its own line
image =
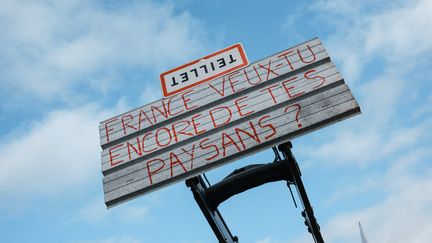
<point x="380" y="98"/>
<point x="403" y="216"/>
<point x="400" y="34"/>
<point x="150" y="94"/>
<point x="424" y="109"/>
<point x="392" y="31"/>
<point x="71" y="50"/>
<point x="58" y="153"/>
<point x="95" y="212"/>
<point x="52" y="47"/>
<point x="375" y="134"/>
<point x="387" y="41"/>
<point x="362" y="146"/>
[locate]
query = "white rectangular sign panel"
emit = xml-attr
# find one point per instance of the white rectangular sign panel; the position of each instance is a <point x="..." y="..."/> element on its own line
<point x="269" y="102"/>
<point x="204" y="69"/>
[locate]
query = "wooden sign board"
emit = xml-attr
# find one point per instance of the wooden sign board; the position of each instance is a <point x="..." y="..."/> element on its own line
<point x="204" y="69"/>
<point x="269" y="102"/>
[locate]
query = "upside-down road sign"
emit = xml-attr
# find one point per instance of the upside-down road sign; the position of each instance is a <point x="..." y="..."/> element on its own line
<point x="204" y="69"/>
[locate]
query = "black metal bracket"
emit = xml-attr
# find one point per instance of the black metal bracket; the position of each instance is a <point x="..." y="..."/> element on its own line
<point x="246" y="178"/>
<point x="210" y="197"/>
<point x="308" y="214"/>
<point x="214" y="218"/>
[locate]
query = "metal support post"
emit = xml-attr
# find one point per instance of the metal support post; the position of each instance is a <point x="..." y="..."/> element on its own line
<point x="307" y="213"/>
<point x="214" y="218"/>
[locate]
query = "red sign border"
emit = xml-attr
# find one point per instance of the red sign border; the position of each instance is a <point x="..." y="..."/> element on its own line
<point x="245" y="63"/>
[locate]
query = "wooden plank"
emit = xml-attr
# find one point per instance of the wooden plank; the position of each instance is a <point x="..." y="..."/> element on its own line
<point x="155" y="114"/>
<point x="280" y="98"/>
<point x="284" y="121"/>
<point x="271" y="101"/>
<point x="256" y="99"/>
<point x="306" y="102"/>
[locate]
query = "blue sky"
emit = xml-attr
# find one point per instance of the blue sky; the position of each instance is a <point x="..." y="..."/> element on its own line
<point x="67" y="65"/>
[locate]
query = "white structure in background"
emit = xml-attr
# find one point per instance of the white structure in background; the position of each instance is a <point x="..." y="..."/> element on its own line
<point x="362" y="236"/>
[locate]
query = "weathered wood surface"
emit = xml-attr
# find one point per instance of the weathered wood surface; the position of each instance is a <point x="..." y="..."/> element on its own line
<point x="257" y="99"/>
<point x="220" y="122"/>
<point x="288" y="61"/>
